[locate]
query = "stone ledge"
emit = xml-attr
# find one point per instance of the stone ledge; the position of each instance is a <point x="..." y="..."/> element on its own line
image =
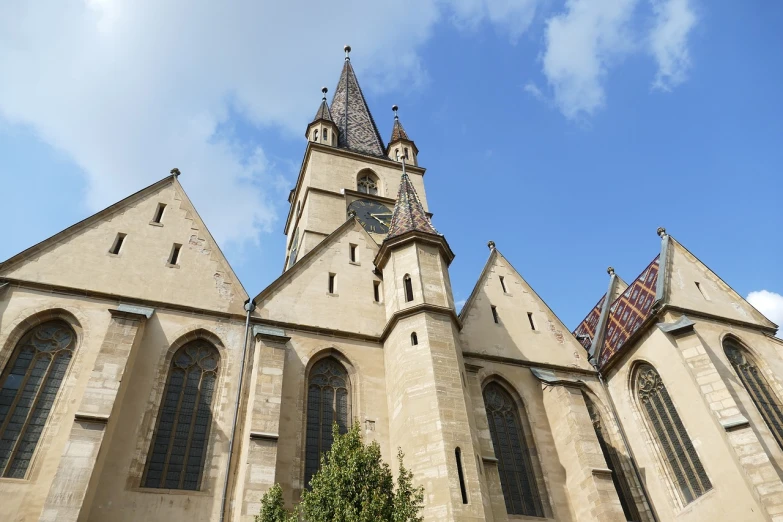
<point x="91" y="417"/>
<point x="270" y="333"/>
<point x="489" y="459"/>
<point x="602" y="472"/>
<point x="735" y="422"/>
<point x="260" y="435"/>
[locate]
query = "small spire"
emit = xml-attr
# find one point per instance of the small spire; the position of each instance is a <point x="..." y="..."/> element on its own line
<point x="610" y="270"/>
<point x="491" y="245"/>
<point x="347" y="50"/>
<point x="661" y="232"/>
<point x="324" y="90"/>
<point x="398" y="132"/>
<point x="408" y="214"/>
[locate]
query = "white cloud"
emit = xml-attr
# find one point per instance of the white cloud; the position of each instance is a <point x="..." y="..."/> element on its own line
<point x="512" y="16"/>
<point x="770" y="304"/>
<point x="130" y="89"/>
<point x="581" y="45"/>
<point x="674" y="20"/>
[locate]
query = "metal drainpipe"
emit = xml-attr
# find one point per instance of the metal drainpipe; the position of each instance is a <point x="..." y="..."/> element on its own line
<point x="250" y="305"/>
<point x="625" y="441"/>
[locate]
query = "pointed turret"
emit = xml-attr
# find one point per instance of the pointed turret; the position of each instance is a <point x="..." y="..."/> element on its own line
<point x="323" y="129"/>
<point x="409" y="214"/>
<point x="357" y="129"/>
<point x="400" y="144"/>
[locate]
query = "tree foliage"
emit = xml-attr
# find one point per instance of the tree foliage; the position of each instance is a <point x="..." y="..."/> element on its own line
<point x="353" y="484"/>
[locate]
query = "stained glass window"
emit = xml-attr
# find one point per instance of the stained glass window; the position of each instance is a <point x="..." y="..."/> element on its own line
<point x="515" y="466"/>
<point x="28" y="387"/>
<point x="759" y="389"/>
<point x="176" y="457"/>
<point x="328" y="401"/>
<point x="670" y="435"/>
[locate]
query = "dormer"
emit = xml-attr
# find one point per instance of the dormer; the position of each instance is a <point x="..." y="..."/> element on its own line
<point x="400" y="144"/>
<point x="323" y="129"/>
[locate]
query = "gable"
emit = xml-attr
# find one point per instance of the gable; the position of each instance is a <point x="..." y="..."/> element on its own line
<point x="546" y="341"/>
<point x="301" y="295"/>
<point x="712" y="295"/>
<point x="80" y="258"/>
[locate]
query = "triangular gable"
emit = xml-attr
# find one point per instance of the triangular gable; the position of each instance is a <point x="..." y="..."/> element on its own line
<point x="712" y="295"/>
<point x="589" y="331"/>
<point x="79" y="257"/>
<point x="547" y="340"/>
<point x="300" y="295"/>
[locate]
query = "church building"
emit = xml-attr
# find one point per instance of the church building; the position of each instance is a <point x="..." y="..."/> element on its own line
<point x="139" y="380"/>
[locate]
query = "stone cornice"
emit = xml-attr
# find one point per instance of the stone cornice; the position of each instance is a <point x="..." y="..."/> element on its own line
<point x="383" y="254"/>
<point x="417" y="309"/>
<point x="319" y="330"/>
<point x="529" y="364"/>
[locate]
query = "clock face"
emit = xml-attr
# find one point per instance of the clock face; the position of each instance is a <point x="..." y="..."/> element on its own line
<point x="373" y="216"/>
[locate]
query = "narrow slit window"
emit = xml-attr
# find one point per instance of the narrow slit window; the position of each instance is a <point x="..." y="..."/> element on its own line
<point x="503" y="285"/>
<point x="315" y="135"/>
<point x="159" y="213"/>
<point x="352" y="253"/>
<point x="376" y="289"/>
<point x="326" y="134"/>
<point x="174" y="257"/>
<point x="408" y="288"/>
<point x="530" y="319"/>
<point x="397" y="154"/>
<point x="331" y="283"/>
<point x="414" y="339"/>
<point x="406" y="152"/>
<point x="117" y="245"/>
<point x="461" y="474"/>
<point x="701" y="291"/>
<point x="495" y="315"/>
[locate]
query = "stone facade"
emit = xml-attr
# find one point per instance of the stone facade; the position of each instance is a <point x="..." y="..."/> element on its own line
<point x="417" y="373"/>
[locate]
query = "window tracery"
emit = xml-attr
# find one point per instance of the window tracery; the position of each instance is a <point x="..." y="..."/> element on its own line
<point x="367" y="184"/>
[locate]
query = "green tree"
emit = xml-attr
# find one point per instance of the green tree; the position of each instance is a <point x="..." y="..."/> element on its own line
<point x="353" y="484"/>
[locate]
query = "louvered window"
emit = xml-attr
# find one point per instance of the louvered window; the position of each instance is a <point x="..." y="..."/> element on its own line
<point x="515" y="466"/>
<point x="28" y="387"/>
<point x="179" y="445"/>
<point x="328" y="401"/>
<point x="758" y="388"/>
<point x="675" y="445"/>
<point x="619" y="478"/>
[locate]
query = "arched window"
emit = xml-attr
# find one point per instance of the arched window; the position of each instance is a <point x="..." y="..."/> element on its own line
<point x="367" y="183"/>
<point x="326" y="134"/>
<point x="28" y="387"/>
<point x="397" y="154"/>
<point x="517" y="477"/>
<point x="619" y="478"/>
<point x="758" y="388"/>
<point x="408" y="284"/>
<point x="328" y="401"/>
<point x="414" y="339"/>
<point x="670" y="435"/>
<point x="315" y="135"/>
<point x="176" y="456"/>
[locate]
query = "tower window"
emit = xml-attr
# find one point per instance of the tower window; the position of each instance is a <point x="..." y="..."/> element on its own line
<point x="326" y="135"/>
<point x="159" y="213"/>
<point x="174" y="256"/>
<point x="406" y="281"/>
<point x="376" y="289"/>
<point x="406" y="152"/>
<point x="530" y="320"/>
<point x="503" y="284"/>
<point x="352" y="253"/>
<point x="331" y="283"/>
<point x="495" y="315"/>
<point x="461" y="474"/>
<point x="397" y="154"/>
<point x="315" y="135"/>
<point x="367" y="183"/>
<point x="117" y="245"/>
<point x="414" y="339"/>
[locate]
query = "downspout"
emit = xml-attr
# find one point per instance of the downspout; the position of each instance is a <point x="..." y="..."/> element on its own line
<point x="250" y="305"/>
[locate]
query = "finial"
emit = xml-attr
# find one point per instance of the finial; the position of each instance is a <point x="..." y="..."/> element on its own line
<point x="661" y="232"/>
<point x="175" y="171"/>
<point x="610" y="270"/>
<point x="395" y="109"/>
<point x="351" y="214"/>
<point x="347" y="50"/>
<point x="491" y="245"/>
<point x="324" y="90"/>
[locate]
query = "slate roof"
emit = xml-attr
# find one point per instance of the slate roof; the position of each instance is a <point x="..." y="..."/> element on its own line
<point x="323" y="112"/>
<point x="398" y="132"/>
<point x="408" y="214"/>
<point x="358" y="131"/>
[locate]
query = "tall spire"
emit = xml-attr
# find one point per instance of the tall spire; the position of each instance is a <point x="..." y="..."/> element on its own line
<point x="358" y="131"/>
<point x="408" y="214"/>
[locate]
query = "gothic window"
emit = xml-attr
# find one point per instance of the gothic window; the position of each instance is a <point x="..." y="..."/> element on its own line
<point x="328" y="401"/>
<point x="758" y="388"/>
<point x="408" y="284"/>
<point x="176" y="457"/>
<point x="367" y="184"/>
<point x="515" y="466"/>
<point x="669" y="433"/>
<point x="619" y="478"/>
<point x="28" y="387"/>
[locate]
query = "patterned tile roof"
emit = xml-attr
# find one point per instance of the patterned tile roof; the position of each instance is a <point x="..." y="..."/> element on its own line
<point x="629" y="311"/>
<point x="358" y="131"/>
<point x="408" y="212"/>
<point x="585" y="332"/>
<point x="398" y="132"/>
<point x="323" y="112"/>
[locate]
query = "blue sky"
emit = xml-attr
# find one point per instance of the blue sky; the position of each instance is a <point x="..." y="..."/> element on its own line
<point x="565" y="131"/>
